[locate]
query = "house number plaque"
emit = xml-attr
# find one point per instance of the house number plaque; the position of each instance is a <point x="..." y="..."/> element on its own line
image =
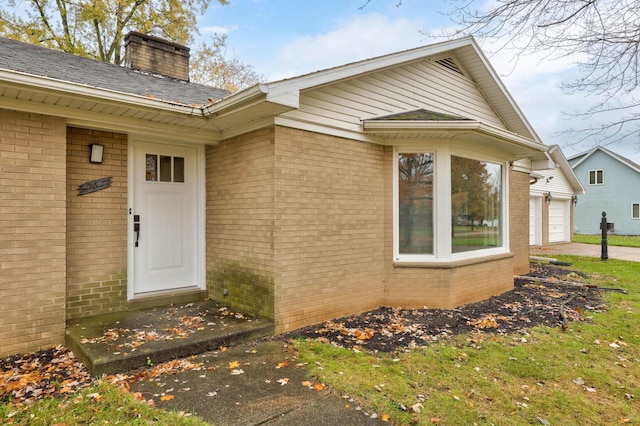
<point x="94" y="185"/>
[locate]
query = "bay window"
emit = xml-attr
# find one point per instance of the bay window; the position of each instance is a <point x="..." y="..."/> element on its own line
<point x="447" y="206"/>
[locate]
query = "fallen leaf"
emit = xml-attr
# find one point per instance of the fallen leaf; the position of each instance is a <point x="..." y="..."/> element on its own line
<point x="234" y="364"/>
<point x="166" y="397"/>
<point x="385" y="417"/>
<point x="283" y="381"/>
<point x="237" y="371"/>
<point x="307" y="384"/>
<point x="282" y="364"/>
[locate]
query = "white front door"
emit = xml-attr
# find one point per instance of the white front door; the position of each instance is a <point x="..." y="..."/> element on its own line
<point x="164" y="219"/>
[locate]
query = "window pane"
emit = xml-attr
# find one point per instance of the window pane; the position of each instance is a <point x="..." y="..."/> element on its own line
<point x="415" y="198"/>
<point x="151" y="168"/>
<point x="636" y="211"/>
<point x="165" y="168"/>
<point x="476" y="205"/>
<point x="599" y="177"/>
<point x="178" y="169"/>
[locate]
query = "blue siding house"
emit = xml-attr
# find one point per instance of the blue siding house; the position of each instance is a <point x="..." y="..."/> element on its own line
<point x="612" y="185"/>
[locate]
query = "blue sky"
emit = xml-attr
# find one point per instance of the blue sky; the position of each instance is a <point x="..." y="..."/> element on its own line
<point x="285" y="38"/>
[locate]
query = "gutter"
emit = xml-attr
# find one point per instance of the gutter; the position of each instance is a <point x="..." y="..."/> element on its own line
<point x="51" y="84"/>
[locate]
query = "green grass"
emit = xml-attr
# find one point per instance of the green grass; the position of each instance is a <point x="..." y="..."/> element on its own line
<point x="102" y="404"/>
<point x="612" y="240"/>
<point x="578" y="376"/>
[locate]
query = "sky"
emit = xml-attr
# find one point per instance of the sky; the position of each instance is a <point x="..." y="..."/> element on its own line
<point x="286" y="38"/>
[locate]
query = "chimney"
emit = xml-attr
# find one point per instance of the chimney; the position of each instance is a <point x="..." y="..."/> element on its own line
<point x="156" y="55"/>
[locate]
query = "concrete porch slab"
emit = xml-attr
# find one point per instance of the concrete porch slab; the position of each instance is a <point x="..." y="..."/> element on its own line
<point x="119" y="342"/>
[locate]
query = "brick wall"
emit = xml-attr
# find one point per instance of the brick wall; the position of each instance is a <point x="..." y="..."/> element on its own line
<point x="329" y="220"/>
<point x="239" y="221"/>
<point x="96" y="226"/>
<point x="519" y="220"/>
<point x="32" y="231"/>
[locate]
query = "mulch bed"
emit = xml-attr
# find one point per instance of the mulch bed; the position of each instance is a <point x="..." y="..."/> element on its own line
<point x="553" y="300"/>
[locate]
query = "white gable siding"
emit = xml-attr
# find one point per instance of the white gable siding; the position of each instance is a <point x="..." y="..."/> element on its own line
<point x="422" y="84"/>
<point x="559" y="185"/>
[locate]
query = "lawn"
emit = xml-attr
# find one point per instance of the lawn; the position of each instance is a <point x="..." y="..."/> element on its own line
<point x="587" y="374"/>
<point x="612" y="239"/>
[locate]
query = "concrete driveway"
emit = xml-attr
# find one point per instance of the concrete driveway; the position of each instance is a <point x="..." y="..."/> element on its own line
<point x="592" y="250"/>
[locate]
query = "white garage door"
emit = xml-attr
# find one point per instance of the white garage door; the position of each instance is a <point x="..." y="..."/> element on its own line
<point x="535" y="221"/>
<point x="559" y="221"/>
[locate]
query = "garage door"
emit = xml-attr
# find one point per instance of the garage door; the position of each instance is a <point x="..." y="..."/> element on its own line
<point x="559" y="221"/>
<point x="535" y="221"/>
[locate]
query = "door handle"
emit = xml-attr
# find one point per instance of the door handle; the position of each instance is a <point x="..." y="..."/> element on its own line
<point x="136" y="227"/>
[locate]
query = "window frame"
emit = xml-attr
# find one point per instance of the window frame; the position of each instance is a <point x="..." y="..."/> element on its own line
<point x="442" y="243"/>
<point x="633" y="211"/>
<point x="595" y="175"/>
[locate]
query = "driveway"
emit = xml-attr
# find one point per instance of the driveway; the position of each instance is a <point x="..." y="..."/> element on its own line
<point x="592" y="250"/>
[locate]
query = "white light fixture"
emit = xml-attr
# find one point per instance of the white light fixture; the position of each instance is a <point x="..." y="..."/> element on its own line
<point x="96" y="153"/>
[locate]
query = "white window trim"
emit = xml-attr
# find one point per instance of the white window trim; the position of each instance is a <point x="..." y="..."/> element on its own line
<point x="442" y="216"/>
<point x="596" y="177"/>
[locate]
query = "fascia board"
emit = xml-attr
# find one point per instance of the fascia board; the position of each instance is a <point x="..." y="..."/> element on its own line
<point x="332" y="75"/>
<point x="398" y="126"/>
<point x="503" y="89"/>
<point x="565" y="167"/>
<point x="59" y="86"/>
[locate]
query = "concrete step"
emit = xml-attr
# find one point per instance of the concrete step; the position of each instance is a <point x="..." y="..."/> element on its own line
<point x="120" y="342"/>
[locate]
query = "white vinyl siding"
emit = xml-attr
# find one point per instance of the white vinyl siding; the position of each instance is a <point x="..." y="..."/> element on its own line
<point x="343" y="105"/>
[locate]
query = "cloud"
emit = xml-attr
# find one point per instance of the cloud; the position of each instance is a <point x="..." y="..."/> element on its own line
<point x="218" y="29"/>
<point x="360" y="37"/>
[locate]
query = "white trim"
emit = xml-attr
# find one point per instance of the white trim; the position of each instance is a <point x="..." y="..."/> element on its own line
<point x="200" y="212"/>
<point x="442" y="248"/>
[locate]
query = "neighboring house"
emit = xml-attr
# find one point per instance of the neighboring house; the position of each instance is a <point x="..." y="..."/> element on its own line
<point x="612" y="185"/>
<point x="554" y="193"/>
<point x="298" y="200"/>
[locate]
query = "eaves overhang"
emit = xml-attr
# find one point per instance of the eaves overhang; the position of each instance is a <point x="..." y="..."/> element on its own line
<point x="82" y="90"/>
<point x="518" y="147"/>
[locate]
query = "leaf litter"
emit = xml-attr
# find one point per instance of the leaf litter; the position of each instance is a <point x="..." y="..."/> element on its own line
<point x="55" y="372"/>
<point x="548" y="295"/>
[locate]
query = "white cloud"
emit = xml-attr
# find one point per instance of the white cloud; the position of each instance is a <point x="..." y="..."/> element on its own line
<point x="218" y="29"/>
<point x="361" y="37"/>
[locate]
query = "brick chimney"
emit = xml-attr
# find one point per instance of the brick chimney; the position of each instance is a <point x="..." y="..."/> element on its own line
<point x="156" y="55"/>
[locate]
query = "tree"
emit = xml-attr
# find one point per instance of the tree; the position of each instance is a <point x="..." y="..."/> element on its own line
<point x="210" y="65"/>
<point x="96" y="28"/>
<point x="603" y="36"/>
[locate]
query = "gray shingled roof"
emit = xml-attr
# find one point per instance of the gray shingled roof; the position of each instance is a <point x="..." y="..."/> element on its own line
<point x="38" y="61"/>
<point x="421" y="115"/>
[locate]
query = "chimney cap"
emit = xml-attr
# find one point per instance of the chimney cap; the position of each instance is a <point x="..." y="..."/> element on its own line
<point x="135" y="36"/>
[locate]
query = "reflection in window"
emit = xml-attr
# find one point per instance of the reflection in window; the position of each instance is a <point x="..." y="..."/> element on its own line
<point x="415" y="203"/>
<point x="476" y="205"/>
<point x="164" y="168"/>
<point x="151" y="168"/>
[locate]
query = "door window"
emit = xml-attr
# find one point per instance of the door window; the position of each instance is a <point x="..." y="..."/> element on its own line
<point x="164" y="168"/>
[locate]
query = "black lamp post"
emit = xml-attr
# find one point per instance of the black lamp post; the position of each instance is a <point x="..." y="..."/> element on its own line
<point x="603" y="226"/>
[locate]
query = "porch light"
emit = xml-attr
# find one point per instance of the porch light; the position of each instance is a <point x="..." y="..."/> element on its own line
<point x="547" y="196"/>
<point x="96" y="153"/>
<point x="574" y="199"/>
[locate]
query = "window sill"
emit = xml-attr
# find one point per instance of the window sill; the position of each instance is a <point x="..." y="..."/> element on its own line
<point x="452" y="264"/>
